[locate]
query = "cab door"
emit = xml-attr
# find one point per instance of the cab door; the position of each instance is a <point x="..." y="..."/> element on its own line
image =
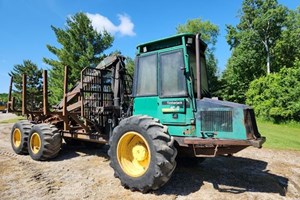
<point x="145" y="86"/>
<point x="173" y="100"/>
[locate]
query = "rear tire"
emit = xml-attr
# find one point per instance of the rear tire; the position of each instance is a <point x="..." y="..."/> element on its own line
<point x="142" y="153"/>
<point x="44" y="142"/>
<point x="19" y="137"/>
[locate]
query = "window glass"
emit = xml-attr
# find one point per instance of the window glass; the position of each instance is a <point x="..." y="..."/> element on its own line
<point x="204" y="83"/>
<point x="192" y="62"/>
<point x="172" y="76"/>
<point x="147" y="76"/>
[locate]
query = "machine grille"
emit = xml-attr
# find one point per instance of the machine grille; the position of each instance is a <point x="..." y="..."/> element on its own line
<point x="216" y="121"/>
<point x="96" y="94"/>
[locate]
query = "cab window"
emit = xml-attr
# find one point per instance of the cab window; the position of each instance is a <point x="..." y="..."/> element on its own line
<point x="146" y="84"/>
<point x="173" y="83"/>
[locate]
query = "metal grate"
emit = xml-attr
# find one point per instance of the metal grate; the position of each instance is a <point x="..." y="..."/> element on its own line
<point x="96" y="94"/>
<point x="216" y="121"/>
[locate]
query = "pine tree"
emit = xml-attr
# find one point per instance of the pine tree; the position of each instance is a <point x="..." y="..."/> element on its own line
<point x="34" y="84"/>
<point x="81" y="46"/>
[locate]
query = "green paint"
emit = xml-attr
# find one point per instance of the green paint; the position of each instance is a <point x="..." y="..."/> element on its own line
<point x="179" y="110"/>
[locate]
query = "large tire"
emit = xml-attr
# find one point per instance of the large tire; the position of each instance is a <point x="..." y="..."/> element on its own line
<point x="44" y="142"/>
<point x="142" y="153"/>
<point x="19" y="137"/>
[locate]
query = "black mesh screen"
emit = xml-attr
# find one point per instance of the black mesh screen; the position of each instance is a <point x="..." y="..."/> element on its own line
<point x="96" y="94"/>
<point x="216" y="121"/>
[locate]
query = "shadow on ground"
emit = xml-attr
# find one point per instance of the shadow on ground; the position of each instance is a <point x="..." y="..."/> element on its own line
<point x="226" y="174"/>
<point x="72" y="151"/>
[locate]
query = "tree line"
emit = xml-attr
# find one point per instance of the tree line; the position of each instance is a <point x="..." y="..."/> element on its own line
<point x="263" y="69"/>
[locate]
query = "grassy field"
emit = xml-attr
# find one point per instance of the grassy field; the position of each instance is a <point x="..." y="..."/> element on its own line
<point x="283" y="136"/>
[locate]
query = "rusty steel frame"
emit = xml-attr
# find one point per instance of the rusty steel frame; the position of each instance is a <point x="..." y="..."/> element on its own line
<point x="250" y="142"/>
<point x="64" y="114"/>
<point x="24" y="95"/>
<point x="45" y="93"/>
<point x="212" y="147"/>
<point x="69" y="114"/>
<point x="65" y="110"/>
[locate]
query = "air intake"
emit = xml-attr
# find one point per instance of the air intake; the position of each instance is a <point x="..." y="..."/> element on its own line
<point x="216" y="121"/>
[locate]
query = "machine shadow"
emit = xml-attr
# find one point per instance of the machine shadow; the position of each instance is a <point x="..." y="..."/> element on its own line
<point x="226" y="174"/>
<point x="72" y="151"/>
<point x="229" y="175"/>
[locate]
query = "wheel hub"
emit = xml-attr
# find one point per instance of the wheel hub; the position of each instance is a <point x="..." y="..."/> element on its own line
<point x="133" y="154"/>
<point x="17" y="137"/>
<point x="139" y="152"/>
<point x="35" y="143"/>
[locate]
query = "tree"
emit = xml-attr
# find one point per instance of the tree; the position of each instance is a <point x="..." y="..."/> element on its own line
<point x="243" y="66"/>
<point x="34" y="84"/>
<point x="287" y="48"/>
<point x="3" y="97"/>
<point x="130" y="66"/>
<point x="253" y="43"/>
<point x="264" y="19"/>
<point x="81" y="46"/>
<point x="209" y="33"/>
<point x="276" y="97"/>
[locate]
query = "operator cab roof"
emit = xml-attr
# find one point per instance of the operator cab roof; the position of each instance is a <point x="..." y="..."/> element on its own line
<point x="168" y="42"/>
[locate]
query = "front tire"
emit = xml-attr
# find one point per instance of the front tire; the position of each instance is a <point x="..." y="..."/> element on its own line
<point x="142" y="153"/>
<point x="44" y="142"/>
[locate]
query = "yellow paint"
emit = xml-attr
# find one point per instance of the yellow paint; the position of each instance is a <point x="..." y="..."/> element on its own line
<point x="35" y="143"/>
<point x="17" y="137"/>
<point x="133" y="154"/>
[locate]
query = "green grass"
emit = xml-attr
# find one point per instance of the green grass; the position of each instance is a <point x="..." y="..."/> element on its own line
<point x="14" y="120"/>
<point x="280" y="136"/>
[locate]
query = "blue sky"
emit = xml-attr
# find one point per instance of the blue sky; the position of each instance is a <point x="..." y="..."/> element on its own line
<point x="25" y="25"/>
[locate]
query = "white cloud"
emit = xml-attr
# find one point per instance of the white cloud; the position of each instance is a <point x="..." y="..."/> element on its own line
<point x="101" y="23"/>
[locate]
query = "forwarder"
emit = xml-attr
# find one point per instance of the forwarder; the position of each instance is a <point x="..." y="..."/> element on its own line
<point x="166" y="108"/>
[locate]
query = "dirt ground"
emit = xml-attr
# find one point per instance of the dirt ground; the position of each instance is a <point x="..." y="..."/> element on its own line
<point x="6" y="116"/>
<point x="82" y="173"/>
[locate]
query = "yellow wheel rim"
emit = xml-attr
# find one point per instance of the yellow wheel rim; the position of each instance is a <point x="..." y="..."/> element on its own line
<point x="133" y="154"/>
<point x="35" y="143"/>
<point x="17" y="135"/>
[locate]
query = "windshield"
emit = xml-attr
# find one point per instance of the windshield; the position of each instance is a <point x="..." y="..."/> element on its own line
<point x="203" y="74"/>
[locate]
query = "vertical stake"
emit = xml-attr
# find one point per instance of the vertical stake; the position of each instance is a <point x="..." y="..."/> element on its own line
<point x="65" y="111"/>
<point x="24" y="95"/>
<point x="45" y="93"/>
